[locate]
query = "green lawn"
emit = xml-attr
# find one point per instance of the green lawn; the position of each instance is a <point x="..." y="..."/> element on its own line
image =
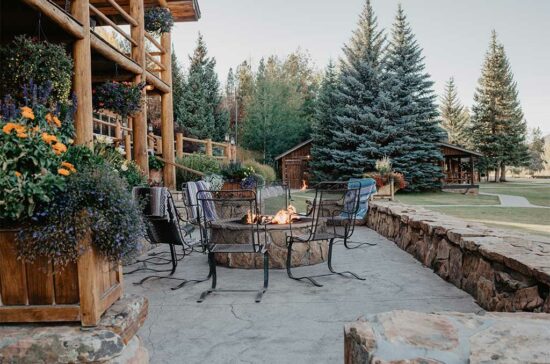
<point x="445" y="198"/>
<point x="531" y="220"/>
<point x="536" y="193"/>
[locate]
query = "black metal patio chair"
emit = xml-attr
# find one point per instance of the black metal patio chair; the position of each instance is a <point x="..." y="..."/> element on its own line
<point x="168" y="230"/>
<point x="333" y="216"/>
<point x="215" y="207"/>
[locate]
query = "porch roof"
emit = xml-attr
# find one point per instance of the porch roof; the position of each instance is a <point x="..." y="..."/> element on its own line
<point x="452" y="150"/>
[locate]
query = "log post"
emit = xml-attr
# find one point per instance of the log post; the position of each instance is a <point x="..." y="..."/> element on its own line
<point x="138" y="55"/>
<point x="128" y="146"/>
<point x="82" y="82"/>
<point x="167" y="114"/>
<point x="179" y="145"/>
<point x="209" y="147"/>
<point x="228" y="152"/>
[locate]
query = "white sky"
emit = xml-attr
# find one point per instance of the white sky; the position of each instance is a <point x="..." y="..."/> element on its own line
<point x="454" y="35"/>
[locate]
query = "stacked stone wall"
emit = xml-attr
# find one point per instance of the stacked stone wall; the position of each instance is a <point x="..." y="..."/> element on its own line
<point x="502" y="270"/>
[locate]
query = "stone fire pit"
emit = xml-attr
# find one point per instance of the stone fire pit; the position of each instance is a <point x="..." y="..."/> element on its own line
<point x="233" y="231"/>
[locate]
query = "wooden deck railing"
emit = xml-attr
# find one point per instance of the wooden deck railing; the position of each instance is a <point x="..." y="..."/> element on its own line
<point x="109" y="125"/>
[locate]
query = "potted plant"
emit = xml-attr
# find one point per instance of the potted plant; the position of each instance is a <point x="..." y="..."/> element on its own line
<point x="66" y="217"/>
<point x="387" y="181"/>
<point x="155" y="169"/>
<point x="237" y="177"/>
<point x="122" y="98"/>
<point x="158" y="20"/>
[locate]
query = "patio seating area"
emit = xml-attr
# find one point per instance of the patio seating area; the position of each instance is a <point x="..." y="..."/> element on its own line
<point x="296" y="321"/>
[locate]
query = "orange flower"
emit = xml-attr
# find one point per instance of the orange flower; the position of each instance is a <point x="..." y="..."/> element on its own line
<point x="56" y="121"/>
<point x="27" y="112"/>
<point x="48" y="138"/>
<point x="49" y="118"/>
<point x="9" y="127"/>
<point x="22" y="135"/>
<point x="18" y="174"/>
<point x="63" y="172"/>
<point x="59" y="148"/>
<point x="69" y="166"/>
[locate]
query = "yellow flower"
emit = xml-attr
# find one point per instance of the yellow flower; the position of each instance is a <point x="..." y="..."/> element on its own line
<point x="69" y="166"/>
<point x="59" y="148"/>
<point x="27" y="112"/>
<point x="63" y="172"/>
<point x="48" y="138"/>
<point x="18" y="174"/>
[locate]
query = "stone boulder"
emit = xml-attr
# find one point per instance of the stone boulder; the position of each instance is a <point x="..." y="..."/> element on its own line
<point x="407" y="337"/>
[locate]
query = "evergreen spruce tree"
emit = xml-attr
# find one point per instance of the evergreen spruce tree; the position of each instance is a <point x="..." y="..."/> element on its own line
<point x="414" y="151"/>
<point x="537" y="149"/>
<point x="202" y="114"/>
<point x="324" y="124"/>
<point x="362" y="119"/>
<point x="455" y="118"/>
<point x="178" y="87"/>
<point x="498" y="128"/>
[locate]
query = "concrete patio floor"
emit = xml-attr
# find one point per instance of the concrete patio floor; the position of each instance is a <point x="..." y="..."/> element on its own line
<point x="295" y="322"/>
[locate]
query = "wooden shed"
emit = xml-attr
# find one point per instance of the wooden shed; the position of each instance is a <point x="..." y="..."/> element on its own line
<point x="294" y="165"/>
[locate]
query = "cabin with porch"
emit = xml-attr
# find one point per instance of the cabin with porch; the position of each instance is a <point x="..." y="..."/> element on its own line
<point x="458" y="165"/>
<point x="293" y="165"/>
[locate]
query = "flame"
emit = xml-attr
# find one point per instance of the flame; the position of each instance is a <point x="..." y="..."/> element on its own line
<point x="284" y="216"/>
<point x="250" y="217"/>
<point x="304" y="185"/>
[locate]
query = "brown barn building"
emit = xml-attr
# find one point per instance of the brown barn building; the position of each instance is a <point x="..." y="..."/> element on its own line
<point x="294" y="165"/>
<point x="458" y="166"/>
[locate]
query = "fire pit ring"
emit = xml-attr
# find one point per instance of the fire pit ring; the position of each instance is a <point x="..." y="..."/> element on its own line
<point x="233" y="231"/>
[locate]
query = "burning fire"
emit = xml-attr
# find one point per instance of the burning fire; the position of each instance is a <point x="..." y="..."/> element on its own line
<point x="280" y="218"/>
<point x="304" y="185"/>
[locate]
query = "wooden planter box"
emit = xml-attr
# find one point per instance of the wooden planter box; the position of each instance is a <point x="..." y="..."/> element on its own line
<point x="41" y="292"/>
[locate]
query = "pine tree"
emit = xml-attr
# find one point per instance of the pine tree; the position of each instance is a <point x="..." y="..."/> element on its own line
<point x="537" y="149"/>
<point x="414" y="151"/>
<point x="178" y="87"/>
<point x="455" y="118"/>
<point x="498" y="128"/>
<point x="362" y="119"/>
<point x="202" y="114"/>
<point x="325" y="123"/>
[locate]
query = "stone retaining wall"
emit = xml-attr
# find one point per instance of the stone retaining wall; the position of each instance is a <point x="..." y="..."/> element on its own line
<point x="502" y="270"/>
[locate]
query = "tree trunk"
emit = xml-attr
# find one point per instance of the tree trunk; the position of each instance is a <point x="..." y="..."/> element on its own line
<point x="497" y="170"/>
<point x="502" y="173"/>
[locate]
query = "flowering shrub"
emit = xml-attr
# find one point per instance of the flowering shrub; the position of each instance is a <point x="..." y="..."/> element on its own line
<point x="198" y="162"/>
<point x="236" y="171"/>
<point x="25" y="60"/>
<point x="33" y="170"/>
<point x="122" y="98"/>
<point x="382" y="180"/>
<point x="95" y="200"/>
<point x="158" y="20"/>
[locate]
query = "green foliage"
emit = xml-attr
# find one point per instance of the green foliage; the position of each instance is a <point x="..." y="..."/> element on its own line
<point x="324" y="125"/>
<point x="199" y="107"/>
<point x="197" y="162"/>
<point x="455" y="118"/>
<point x="537" y="151"/>
<point x="25" y="60"/>
<point x="155" y="163"/>
<point x="178" y="90"/>
<point x="414" y="131"/>
<point x="498" y="127"/>
<point x="31" y="151"/>
<point x="280" y="111"/>
<point x="95" y="200"/>
<point x="266" y="171"/>
<point x="236" y="171"/>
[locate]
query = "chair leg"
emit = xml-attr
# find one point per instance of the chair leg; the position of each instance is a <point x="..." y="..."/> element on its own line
<point x="329" y="263"/>
<point x="174" y="259"/>
<point x="289" y="266"/>
<point x="356" y="244"/>
<point x="213" y="274"/>
<point x="260" y="294"/>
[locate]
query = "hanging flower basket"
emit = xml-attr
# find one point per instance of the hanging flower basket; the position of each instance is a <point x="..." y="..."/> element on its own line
<point x="122" y="98"/>
<point x="158" y="20"/>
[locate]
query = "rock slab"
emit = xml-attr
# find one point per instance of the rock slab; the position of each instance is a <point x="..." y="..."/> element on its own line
<point x="113" y="341"/>
<point x="407" y="337"/>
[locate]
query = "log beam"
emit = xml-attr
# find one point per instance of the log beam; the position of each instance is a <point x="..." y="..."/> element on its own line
<point x="111" y="53"/>
<point x="138" y="55"/>
<point x="61" y="18"/>
<point x="167" y="114"/>
<point x="82" y="81"/>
